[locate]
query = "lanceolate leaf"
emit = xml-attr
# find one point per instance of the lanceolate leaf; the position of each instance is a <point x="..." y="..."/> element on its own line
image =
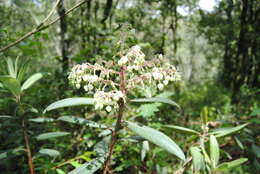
<point x="182" y="129"/>
<point x="22" y="69"/>
<point x="70" y="102"/>
<point x="89" y="167"/>
<point x="228" y="131"/>
<point x="157" y="138"/>
<point x="49" y="152"/>
<point x="31" y="80"/>
<point x="11" y="68"/>
<point x="197" y="159"/>
<point x="214" y="150"/>
<point x="41" y="120"/>
<point x="10" y="152"/>
<point x="232" y="164"/>
<point x="51" y="135"/>
<point x="81" y="121"/>
<point x="6" y="116"/>
<point x="156" y="99"/>
<point x="11" y="84"/>
<point x="59" y="171"/>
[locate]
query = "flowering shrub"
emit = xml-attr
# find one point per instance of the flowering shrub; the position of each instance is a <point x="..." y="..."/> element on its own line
<point x="103" y="81"/>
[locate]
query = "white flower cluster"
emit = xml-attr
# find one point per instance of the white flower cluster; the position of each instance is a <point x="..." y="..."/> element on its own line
<point x="134" y="58"/>
<point x="104" y="81"/>
<point x="162" y="76"/>
<point x="155" y="72"/>
<point x="109" y="100"/>
<point x="80" y="74"/>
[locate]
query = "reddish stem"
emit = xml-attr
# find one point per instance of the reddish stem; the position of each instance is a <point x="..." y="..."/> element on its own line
<point x="118" y="122"/>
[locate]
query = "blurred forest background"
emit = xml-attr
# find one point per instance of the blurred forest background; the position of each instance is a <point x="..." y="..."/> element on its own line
<point x="217" y="52"/>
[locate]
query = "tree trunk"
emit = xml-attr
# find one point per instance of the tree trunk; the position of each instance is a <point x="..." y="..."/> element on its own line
<point x="64" y="42"/>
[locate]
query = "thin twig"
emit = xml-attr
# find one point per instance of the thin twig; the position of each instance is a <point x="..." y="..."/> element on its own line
<point x="41" y="26"/>
<point x="51" y="12"/>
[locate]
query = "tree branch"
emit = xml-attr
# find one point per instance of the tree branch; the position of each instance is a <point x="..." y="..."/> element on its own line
<point x="43" y="25"/>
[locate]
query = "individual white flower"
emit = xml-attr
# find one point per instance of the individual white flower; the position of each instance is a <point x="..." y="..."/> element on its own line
<point x="84" y="66"/>
<point x="136" y="48"/>
<point x="135" y="67"/>
<point x="79" y="71"/>
<point x="165" y="82"/>
<point x="157" y="76"/>
<point x="86" y="87"/>
<point x="93" y="78"/>
<point x="108" y="108"/>
<point x="129" y="68"/>
<point x="124" y="59"/>
<point x="119" y="94"/>
<point x="90" y="87"/>
<point x="120" y="62"/>
<point x="99" y="105"/>
<point x="160" y="86"/>
<point x="77" y="85"/>
<point x="168" y="77"/>
<point x="85" y="77"/>
<point x="160" y="56"/>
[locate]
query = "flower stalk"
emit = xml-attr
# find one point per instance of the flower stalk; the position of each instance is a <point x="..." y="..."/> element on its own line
<point x="118" y="125"/>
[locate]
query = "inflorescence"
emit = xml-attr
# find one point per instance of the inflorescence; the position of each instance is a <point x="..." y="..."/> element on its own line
<point x="104" y="82"/>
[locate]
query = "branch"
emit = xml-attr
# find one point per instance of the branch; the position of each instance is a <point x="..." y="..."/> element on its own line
<point x="118" y="125"/>
<point x="42" y="25"/>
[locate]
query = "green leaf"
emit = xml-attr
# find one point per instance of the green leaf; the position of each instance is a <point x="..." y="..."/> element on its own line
<point x="41" y="120"/>
<point x="157" y="138"/>
<point x="255" y="112"/>
<point x="81" y="121"/>
<point x="89" y="167"/>
<point x="156" y="99"/>
<point x="59" y="171"/>
<point x="49" y="152"/>
<point x="197" y="159"/>
<point x="10" y="67"/>
<point x="9" y="153"/>
<point x="214" y="151"/>
<point x="148" y="110"/>
<point x="256" y="150"/>
<point x="51" y="135"/>
<point x="228" y="131"/>
<point x="11" y="84"/>
<point x="23" y="69"/>
<point x="69" y="102"/>
<point x="182" y="129"/>
<point x="104" y="133"/>
<point x="16" y="67"/>
<point x="31" y="80"/>
<point x="75" y="164"/>
<point x="102" y="147"/>
<point x="232" y="164"/>
<point x="6" y="116"/>
<point x="239" y="143"/>
<point x="144" y="150"/>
